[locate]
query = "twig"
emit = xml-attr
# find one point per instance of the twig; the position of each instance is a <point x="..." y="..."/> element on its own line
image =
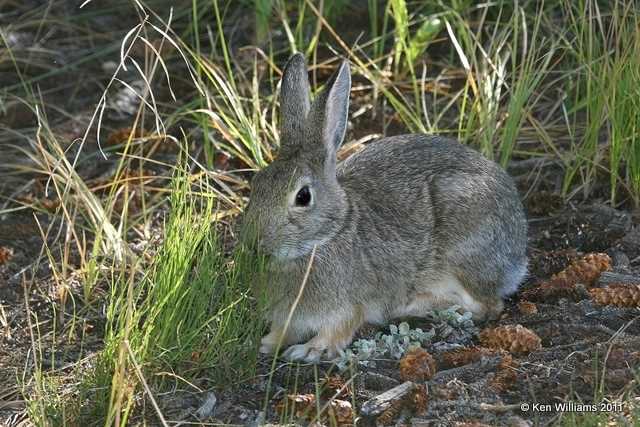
<point x="298" y="297"/>
<point x="381" y="402"/>
<point x="485" y="364"/>
<point x="489" y="407"/>
<point x="144" y="384"/>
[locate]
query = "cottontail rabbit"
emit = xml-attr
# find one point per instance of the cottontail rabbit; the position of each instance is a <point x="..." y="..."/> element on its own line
<point x="408" y="224"/>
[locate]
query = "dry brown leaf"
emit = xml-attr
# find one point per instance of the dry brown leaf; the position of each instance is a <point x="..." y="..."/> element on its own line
<point x="514" y="338"/>
<point x="120" y="136"/>
<point x="301" y="404"/>
<point x="45" y="203"/>
<point x="585" y="271"/>
<point x="417" y="365"/>
<point x="221" y="161"/>
<point x="5" y="254"/>
<point x="527" y="307"/>
<point x="619" y="295"/>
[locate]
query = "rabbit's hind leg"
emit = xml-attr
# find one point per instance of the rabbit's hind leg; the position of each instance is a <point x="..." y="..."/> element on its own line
<point x="270" y="342"/>
<point x="284" y="331"/>
<point x="333" y="336"/>
<point x="440" y="294"/>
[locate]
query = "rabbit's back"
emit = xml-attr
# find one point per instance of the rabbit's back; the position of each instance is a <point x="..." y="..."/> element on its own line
<point x="452" y="206"/>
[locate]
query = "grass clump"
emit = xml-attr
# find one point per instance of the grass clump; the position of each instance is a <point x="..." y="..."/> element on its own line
<point x="605" y="51"/>
<point x="190" y="310"/>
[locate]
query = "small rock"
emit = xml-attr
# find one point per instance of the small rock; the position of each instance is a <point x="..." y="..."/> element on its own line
<point x="208" y="406"/>
<point x="127" y="100"/>
<point x="620" y="259"/>
<point x="380" y="403"/>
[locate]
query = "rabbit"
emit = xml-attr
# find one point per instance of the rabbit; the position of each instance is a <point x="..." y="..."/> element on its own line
<point x="407" y="225"/>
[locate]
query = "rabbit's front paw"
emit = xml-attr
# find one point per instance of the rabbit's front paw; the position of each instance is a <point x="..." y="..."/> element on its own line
<point x="312" y="351"/>
<point x="267" y="346"/>
<point x="331" y="340"/>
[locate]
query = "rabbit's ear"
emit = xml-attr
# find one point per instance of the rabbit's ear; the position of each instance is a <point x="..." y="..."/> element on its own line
<point x="329" y="113"/>
<point x="294" y="102"/>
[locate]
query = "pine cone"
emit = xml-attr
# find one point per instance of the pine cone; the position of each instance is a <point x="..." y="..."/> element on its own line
<point x="619" y="295"/>
<point x="340" y="411"/>
<point x="332" y="385"/>
<point x="505" y="375"/>
<point x="514" y="338"/>
<point x="527" y="307"/>
<point x="5" y="254"/>
<point x="464" y="356"/>
<point x="417" y="365"/>
<point x="585" y="271"/>
<point x="419" y="399"/>
<point x="303" y="404"/>
<point x="389" y="415"/>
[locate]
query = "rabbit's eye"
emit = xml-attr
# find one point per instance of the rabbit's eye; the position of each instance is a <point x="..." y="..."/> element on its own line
<point x="303" y="198"/>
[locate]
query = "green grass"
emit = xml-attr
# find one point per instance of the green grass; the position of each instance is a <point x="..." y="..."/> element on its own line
<point x="189" y="310"/>
<point x="605" y="54"/>
<point x="556" y="80"/>
<point x="620" y="408"/>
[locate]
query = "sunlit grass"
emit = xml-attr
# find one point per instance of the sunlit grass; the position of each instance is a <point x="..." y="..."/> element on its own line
<point x="605" y="50"/>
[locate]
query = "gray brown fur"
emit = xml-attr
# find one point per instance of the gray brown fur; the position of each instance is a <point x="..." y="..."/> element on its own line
<point x="397" y="226"/>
